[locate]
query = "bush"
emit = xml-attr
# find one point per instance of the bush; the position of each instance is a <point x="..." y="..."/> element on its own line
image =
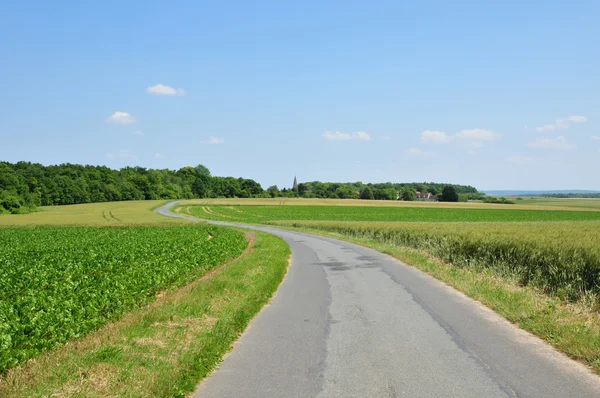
<point x="10" y="203"/>
<point x="502" y="200"/>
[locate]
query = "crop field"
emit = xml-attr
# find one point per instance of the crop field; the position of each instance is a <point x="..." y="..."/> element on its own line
<point x="262" y="214"/>
<point x="561" y="258"/>
<point x="557" y="251"/>
<point x="574" y="203"/>
<point x="533" y="203"/>
<point x="92" y="214"/>
<point x="63" y="282"/>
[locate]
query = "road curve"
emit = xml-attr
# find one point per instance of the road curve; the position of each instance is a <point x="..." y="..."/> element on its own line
<point x="348" y="321"/>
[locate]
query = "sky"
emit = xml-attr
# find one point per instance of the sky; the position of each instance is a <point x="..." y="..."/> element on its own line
<point x="498" y="95"/>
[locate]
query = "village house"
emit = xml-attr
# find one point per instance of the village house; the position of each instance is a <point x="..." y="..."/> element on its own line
<point x="426" y="197"/>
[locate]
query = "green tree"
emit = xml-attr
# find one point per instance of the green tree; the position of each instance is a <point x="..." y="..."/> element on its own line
<point x="449" y="194"/>
<point x="408" y="194"/>
<point x="386" y="194"/>
<point x="343" y="192"/>
<point x="302" y="188"/>
<point x="273" y="191"/>
<point x="202" y="170"/>
<point x="366" y="194"/>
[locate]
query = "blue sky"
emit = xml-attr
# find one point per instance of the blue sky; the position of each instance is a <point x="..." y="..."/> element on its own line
<point x="499" y="95"/>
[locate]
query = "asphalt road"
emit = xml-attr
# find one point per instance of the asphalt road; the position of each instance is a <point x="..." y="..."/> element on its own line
<point x="348" y="321"/>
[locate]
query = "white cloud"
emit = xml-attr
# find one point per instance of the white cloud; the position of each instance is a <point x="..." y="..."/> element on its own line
<point x="121" y="118"/>
<point x="338" y="136"/>
<point x="122" y="154"/>
<point x="214" y="141"/>
<point x="520" y="160"/>
<point x="578" y="119"/>
<point x="551" y="143"/>
<point x="595" y="138"/>
<point x="161" y="89"/>
<point x="435" y="137"/>
<point x="562" y="123"/>
<point x="474" y="137"/>
<point x="478" y="135"/>
<point x="416" y="152"/>
<point x="138" y="133"/>
<point x="157" y="155"/>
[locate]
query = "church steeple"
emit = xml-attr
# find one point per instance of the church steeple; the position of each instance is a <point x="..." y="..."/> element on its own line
<point x="295" y="186"/>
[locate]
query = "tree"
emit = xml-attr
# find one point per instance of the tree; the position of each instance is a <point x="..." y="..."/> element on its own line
<point x="367" y="194"/>
<point x="202" y="170"/>
<point x="251" y="186"/>
<point x="386" y="194"/>
<point x="408" y="194"/>
<point x="449" y="194"/>
<point x="345" y="193"/>
<point x="273" y="191"/>
<point x="302" y="188"/>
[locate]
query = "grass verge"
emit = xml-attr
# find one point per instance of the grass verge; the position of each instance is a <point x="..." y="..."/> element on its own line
<point x="166" y="348"/>
<point x="573" y="329"/>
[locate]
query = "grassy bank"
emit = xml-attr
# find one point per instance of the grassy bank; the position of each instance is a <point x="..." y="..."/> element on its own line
<point x="571" y="328"/>
<point x="167" y="347"/>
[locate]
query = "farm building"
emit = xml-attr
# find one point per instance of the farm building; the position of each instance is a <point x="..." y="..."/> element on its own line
<point x="426" y="196"/>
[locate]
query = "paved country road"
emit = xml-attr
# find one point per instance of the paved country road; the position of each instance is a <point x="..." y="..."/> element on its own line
<point x="348" y="321"/>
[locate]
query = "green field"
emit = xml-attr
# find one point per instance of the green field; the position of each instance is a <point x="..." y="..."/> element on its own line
<point x="111" y="299"/>
<point x="66" y="271"/>
<point x="60" y="283"/>
<point x="537" y="263"/>
<point x="557" y="251"/>
<point x="574" y="203"/>
<point x="106" y="214"/>
<point x="262" y="214"/>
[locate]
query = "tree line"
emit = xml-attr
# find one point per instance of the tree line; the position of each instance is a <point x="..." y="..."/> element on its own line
<point x="379" y="191"/>
<point x="24" y="186"/>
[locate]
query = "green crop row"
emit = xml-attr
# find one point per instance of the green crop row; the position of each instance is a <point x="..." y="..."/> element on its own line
<point x="562" y="259"/>
<point x="60" y="283"/>
<point x="261" y="214"/>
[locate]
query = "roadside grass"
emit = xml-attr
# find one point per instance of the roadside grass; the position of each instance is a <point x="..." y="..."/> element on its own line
<point x="93" y="214"/>
<point x="573" y="328"/>
<point x="166" y="348"/>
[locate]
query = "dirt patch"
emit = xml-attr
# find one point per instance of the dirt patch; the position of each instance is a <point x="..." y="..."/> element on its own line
<point x="95" y="380"/>
<point x="146" y="341"/>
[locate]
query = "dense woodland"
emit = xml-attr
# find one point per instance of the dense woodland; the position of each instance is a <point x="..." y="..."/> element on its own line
<point x="24" y="186"/>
